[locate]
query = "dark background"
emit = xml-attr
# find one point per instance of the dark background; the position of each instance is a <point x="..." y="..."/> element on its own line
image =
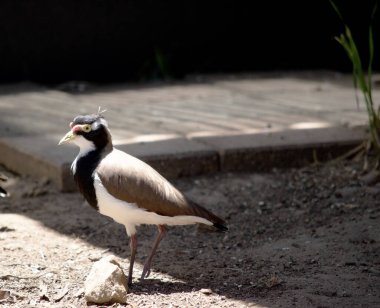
<point x="140" y="40"/>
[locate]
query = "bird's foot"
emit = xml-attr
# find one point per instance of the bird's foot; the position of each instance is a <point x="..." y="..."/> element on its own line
<point x="129" y="281"/>
<point x="145" y="272"/>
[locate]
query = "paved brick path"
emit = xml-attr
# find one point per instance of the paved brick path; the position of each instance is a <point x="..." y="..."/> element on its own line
<point x="215" y="106"/>
<point x="175" y="116"/>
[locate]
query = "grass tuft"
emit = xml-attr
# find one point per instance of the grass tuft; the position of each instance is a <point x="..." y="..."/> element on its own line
<point x="362" y="80"/>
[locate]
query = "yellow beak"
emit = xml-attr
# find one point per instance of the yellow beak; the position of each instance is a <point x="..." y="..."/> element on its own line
<point x="67" y="138"/>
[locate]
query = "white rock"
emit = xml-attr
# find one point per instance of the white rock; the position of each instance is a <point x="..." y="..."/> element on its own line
<point x="106" y="282"/>
<point x="206" y="291"/>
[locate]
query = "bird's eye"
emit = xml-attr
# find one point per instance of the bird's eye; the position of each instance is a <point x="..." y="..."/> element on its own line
<point x="86" y="128"/>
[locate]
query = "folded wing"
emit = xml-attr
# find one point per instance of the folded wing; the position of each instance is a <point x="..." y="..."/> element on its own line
<point x="130" y="179"/>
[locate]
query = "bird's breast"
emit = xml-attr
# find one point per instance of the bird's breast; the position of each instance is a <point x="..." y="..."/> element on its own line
<point x="84" y="168"/>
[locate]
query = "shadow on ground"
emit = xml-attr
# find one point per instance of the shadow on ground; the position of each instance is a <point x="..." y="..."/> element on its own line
<point x="297" y="237"/>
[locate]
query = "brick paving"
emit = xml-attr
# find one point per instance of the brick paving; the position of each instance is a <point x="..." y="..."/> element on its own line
<point x="173" y="120"/>
<point x="217" y="105"/>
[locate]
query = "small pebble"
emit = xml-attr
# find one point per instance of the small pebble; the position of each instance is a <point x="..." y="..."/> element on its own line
<point x="206" y="291"/>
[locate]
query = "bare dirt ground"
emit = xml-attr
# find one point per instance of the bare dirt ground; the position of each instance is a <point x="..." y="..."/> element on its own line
<point x="298" y="238"/>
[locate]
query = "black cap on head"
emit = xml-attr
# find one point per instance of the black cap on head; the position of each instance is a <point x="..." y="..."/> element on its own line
<point x="87" y="119"/>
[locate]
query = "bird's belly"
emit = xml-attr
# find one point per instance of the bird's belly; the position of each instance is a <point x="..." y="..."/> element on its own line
<point x="122" y="212"/>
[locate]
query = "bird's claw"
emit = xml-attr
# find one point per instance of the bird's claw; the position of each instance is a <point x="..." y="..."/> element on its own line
<point x="145" y="273"/>
<point x="129" y="281"/>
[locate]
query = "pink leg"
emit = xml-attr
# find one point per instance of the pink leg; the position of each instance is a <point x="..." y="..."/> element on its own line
<point x="133" y="244"/>
<point x="148" y="262"/>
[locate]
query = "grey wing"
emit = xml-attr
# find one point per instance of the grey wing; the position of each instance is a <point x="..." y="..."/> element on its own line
<point x="130" y="179"/>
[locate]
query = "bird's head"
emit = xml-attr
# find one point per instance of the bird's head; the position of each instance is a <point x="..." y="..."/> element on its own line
<point x="88" y="131"/>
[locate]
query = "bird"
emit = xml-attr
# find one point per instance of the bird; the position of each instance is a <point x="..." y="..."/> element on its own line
<point x="128" y="190"/>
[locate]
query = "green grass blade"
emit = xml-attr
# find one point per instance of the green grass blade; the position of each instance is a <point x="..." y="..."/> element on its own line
<point x="358" y="68"/>
<point x="336" y="10"/>
<point x="371" y="52"/>
<point x="374" y="12"/>
<point x="362" y="80"/>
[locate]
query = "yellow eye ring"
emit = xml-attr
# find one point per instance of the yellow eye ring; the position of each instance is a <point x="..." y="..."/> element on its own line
<point x="86" y="128"/>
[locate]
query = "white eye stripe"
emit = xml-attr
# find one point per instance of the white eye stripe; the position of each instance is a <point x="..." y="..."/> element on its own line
<point x="95" y="125"/>
<point x="104" y="122"/>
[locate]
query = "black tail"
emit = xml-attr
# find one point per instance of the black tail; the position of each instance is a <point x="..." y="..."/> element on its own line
<point x="200" y="211"/>
<point x="221" y="227"/>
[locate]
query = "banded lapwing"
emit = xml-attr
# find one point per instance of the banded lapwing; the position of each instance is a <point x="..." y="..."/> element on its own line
<point x="128" y="190"/>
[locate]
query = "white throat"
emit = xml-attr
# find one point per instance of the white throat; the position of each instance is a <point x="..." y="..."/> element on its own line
<point x="85" y="147"/>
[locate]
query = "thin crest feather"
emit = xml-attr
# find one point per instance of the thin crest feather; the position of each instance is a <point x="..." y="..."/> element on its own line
<point x="100" y="111"/>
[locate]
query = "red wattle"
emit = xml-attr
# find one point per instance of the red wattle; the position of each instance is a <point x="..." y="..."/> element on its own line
<point x="76" y="128"/>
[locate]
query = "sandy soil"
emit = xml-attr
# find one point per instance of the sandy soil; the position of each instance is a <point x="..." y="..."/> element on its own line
<point x="298" y="238"/>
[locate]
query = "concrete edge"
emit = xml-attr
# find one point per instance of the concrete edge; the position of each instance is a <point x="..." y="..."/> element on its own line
<point x="182" y="157"/>
<point x="26" y="163"/>
<point x="283" y="149"/>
